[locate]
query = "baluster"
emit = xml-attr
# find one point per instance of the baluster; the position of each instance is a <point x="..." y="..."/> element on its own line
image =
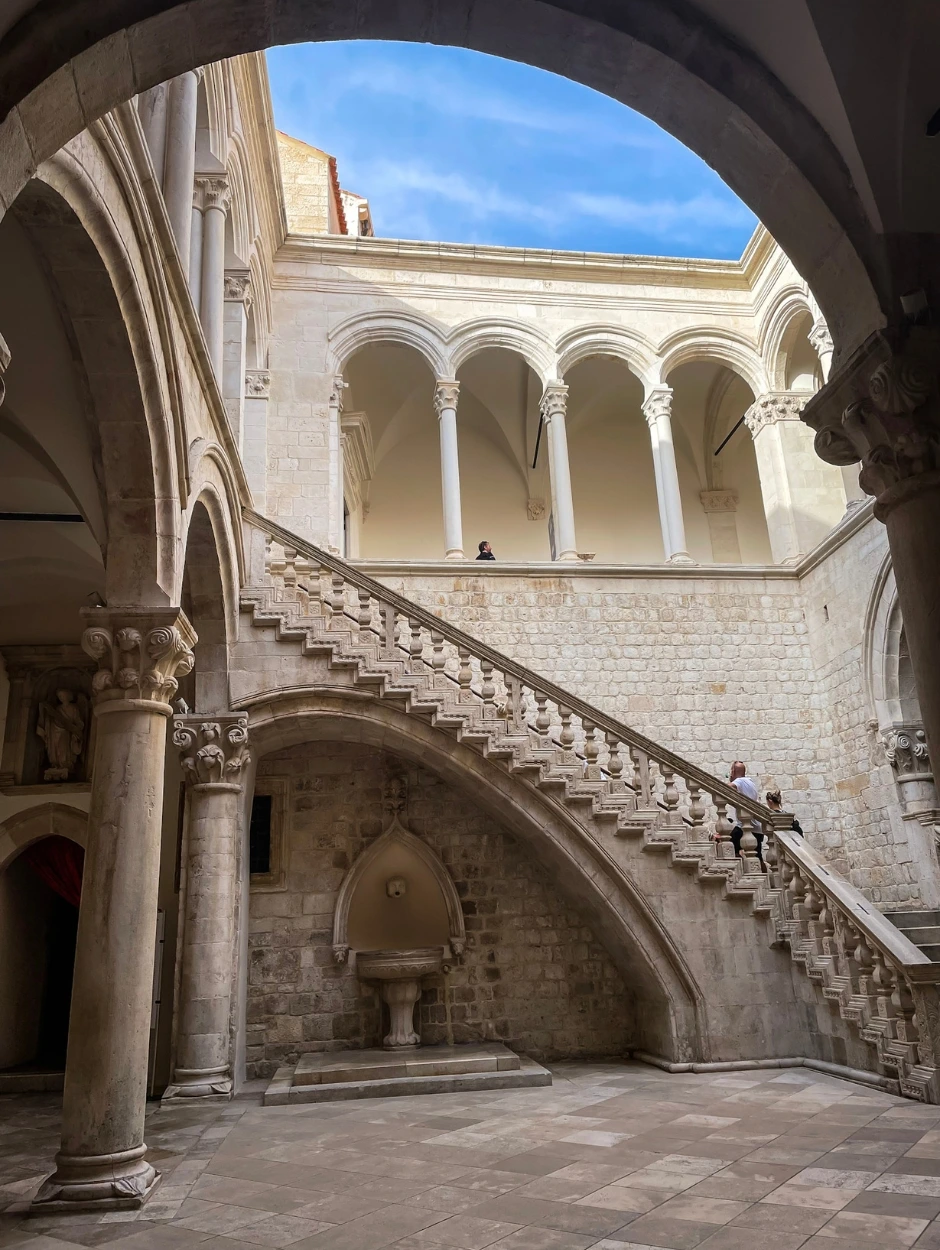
<point x="696" y="810"/>
<point x="770" y="855"/>
<point x="464" y="675"/>
<point x="614" y="761"/>
<point x="592" y="749"/>
<point x="862" y="958"/>
<point x="304" y="570"/>
<point x="516" y="703"/>
<point x="415" y="641"/>
<point x="290" y="572"/>
<point x="438" y="659"/>
<point x="670" y="799"/>
<point x="904" y="1010"/>
<point x="749" y="843"/>
<point x="365" y="611"/>
<point x="566" y="737"/>
<point x="389" y="630"/>
<point x="276" y="570"/>
<point x="337" y="593"/>
<point x="488" y="689"/>
<point x="796" y="887"/>
<point x="724" y="848"/>
<point x="641" y="776"/>
<point x="883" y="975"/>
<point x="543" y="719"/>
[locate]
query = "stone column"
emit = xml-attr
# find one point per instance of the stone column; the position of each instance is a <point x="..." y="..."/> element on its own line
<point x="151" y="109"/>
<point x="337" y="469"/>
<point x="657" y="408"/>
<point x="720" y="507"/>
<point x="445" y="405"/>
<point x="180" y="159"/>
<point x="882" y="407"/>
<point x="255" y="449"/>
<point x="195" y="244"/>
<point x="216" y="196"/>
<point x="821" y="340"/>
<point x="803" y="499"/>
<point x="553" y="410"/>
<point x="237" y="304"/>
<point x="213" y="753"/>
<point x="101" y="1164"/>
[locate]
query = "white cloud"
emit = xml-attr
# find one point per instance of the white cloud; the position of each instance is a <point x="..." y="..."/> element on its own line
<point x="662" y="217"/>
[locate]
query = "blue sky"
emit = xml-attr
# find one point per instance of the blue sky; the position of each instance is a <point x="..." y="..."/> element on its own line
<point x="452" y="145"/>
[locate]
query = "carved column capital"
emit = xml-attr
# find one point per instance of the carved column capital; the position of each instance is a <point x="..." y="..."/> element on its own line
<point x="214" y="191"/>
<point x="554" y="401"/>
<point x="882" y="408"/>
<point x="337" y="387"/>
<point x="719" y="501"/>
<point x="257" y="384"/>
<point x="535" y="509"/>
<point x="658" y="403"/>
<point x="772" y="407"/>
<point x="446" y="392"/>
<point x="213" y="749"/>
<point x="4" y="365"/>
<point x="905" y="748"/>
<point x="139" y="655"/>
<point x="237" y="289"/>
<point x="820" y="339"/>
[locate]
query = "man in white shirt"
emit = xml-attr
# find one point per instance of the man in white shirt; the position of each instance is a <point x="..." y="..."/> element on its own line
<point x="744" y="785"/>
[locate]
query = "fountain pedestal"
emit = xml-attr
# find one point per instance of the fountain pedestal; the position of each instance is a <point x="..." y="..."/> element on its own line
<point x="399" y="974"/>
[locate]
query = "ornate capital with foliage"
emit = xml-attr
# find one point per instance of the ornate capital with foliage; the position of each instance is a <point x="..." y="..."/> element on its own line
<point x="139" y="654"/>
<point x="212" y="749"/>
<point x="657" y="404"/>
<point x="820" y="339"/>
<point x="212" y="191"/>
<point x="257" y="384"/>
<point x="238" y="288"/>
<point x="772" y="407"/>
<point x="882" y="408"/>
<point x="336" y="392"/>
<point x="719" y="501"/>
<point x="445" y="394"/>
<point x="906" y="751"/>
<point x="554" y="401"/>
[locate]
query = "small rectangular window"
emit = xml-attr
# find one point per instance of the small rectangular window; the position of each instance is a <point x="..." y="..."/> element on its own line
<point x="259" y="835"/>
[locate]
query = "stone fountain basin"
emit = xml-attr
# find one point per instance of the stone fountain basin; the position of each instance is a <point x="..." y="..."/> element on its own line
<point x="399" y="965"/>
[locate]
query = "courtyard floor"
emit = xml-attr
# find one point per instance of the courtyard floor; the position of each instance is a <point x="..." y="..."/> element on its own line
<point x="613" y="1156"/>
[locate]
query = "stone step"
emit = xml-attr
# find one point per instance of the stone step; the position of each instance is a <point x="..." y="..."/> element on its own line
<point x="913" y="919"/>
<point x="922" y="935"/>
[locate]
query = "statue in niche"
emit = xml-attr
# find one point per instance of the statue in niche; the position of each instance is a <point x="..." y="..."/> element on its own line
<point x="61" y="725"/>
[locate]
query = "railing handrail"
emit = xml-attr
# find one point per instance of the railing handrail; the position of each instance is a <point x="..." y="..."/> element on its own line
<point x="564" y="698"/>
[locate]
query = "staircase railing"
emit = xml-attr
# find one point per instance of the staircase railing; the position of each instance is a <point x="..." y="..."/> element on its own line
<point x="867" y="968"/>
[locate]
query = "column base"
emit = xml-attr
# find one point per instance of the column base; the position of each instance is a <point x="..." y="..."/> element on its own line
<point x="214" y="1083"/>
<point x="454" y="554"/>
<point x="680" y="557"/>
<point x="566" y="555"/>
<point x="122" y="1181"/>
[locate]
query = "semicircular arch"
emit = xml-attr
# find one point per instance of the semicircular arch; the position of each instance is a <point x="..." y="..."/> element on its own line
<point x="476" y="336"/>
<point x="46" y="820"/>
<point x="633" y="348"/>
<point x="405" y="328"/>
<point x="719" y="346"/>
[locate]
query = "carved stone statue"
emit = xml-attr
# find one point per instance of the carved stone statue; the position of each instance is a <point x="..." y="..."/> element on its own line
<point x="61" y="725"/>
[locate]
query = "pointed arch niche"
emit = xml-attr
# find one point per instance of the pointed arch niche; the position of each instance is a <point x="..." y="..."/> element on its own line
<point x="371" y="915"/>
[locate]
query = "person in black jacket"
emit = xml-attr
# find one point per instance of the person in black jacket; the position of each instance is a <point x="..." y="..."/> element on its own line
<point x="486" y="552"/>
<point x="775" y="803"/>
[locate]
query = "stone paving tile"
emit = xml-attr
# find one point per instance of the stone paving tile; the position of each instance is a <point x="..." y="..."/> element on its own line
<point x="612" y="1157"/>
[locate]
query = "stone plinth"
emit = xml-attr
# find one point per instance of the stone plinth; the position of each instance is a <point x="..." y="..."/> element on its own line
<point x="346" y="1074"/>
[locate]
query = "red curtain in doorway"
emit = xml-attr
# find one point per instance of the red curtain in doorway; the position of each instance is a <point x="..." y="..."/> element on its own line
<point x="58" y="862"/>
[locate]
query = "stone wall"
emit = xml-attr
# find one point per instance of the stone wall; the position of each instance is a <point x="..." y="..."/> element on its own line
<point x="533" y="975"/>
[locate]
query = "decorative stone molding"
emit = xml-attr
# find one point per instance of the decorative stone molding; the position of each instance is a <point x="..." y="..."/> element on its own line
<point x="257" y="384"/>
<point x="445" y="395"/>
<point x="905" y="748"/>
<point x="820" y="339"/>
<point x="535" y="509"/>
<point x="337" y="387"/>
<point x="719" y="501"/>
<point x="4" y="365"/>
<point x="657" y="404"/>
<point x="139" y="654"/>
<point x="212" y="750"/>
<point x="554" y="401"/>
<point x="772" y="407"/>
<point x="237" y="289"/>
<point x="883" y="408"/>
<point x="213" y="191"/>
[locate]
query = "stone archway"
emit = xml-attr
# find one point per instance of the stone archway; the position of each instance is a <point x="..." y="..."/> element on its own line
<point x="680" y="68"/>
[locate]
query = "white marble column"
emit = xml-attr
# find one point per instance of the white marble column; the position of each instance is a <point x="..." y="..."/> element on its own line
<point x="337" y="469"/>
<point x="237" y="304"/>
<point x="657" y="408"/>
<point x="553" y="408"/>
<point x="101" y="1163"/>
<point x="255" y="449"/>
<point x="445" y="405"/>
<point x="151" y="109"/>
<point x="180" y="159"/>
<point x="213" y="753"/>
<point x="821" y="340"/>
<point x="803" y="497"/>
<point x="216" y="196"/>
<point x="195" y="243"/>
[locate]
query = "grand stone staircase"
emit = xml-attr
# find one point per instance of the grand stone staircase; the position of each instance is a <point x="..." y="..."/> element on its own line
<point x="920" y="927"/>
<point x="617" y="783"/>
